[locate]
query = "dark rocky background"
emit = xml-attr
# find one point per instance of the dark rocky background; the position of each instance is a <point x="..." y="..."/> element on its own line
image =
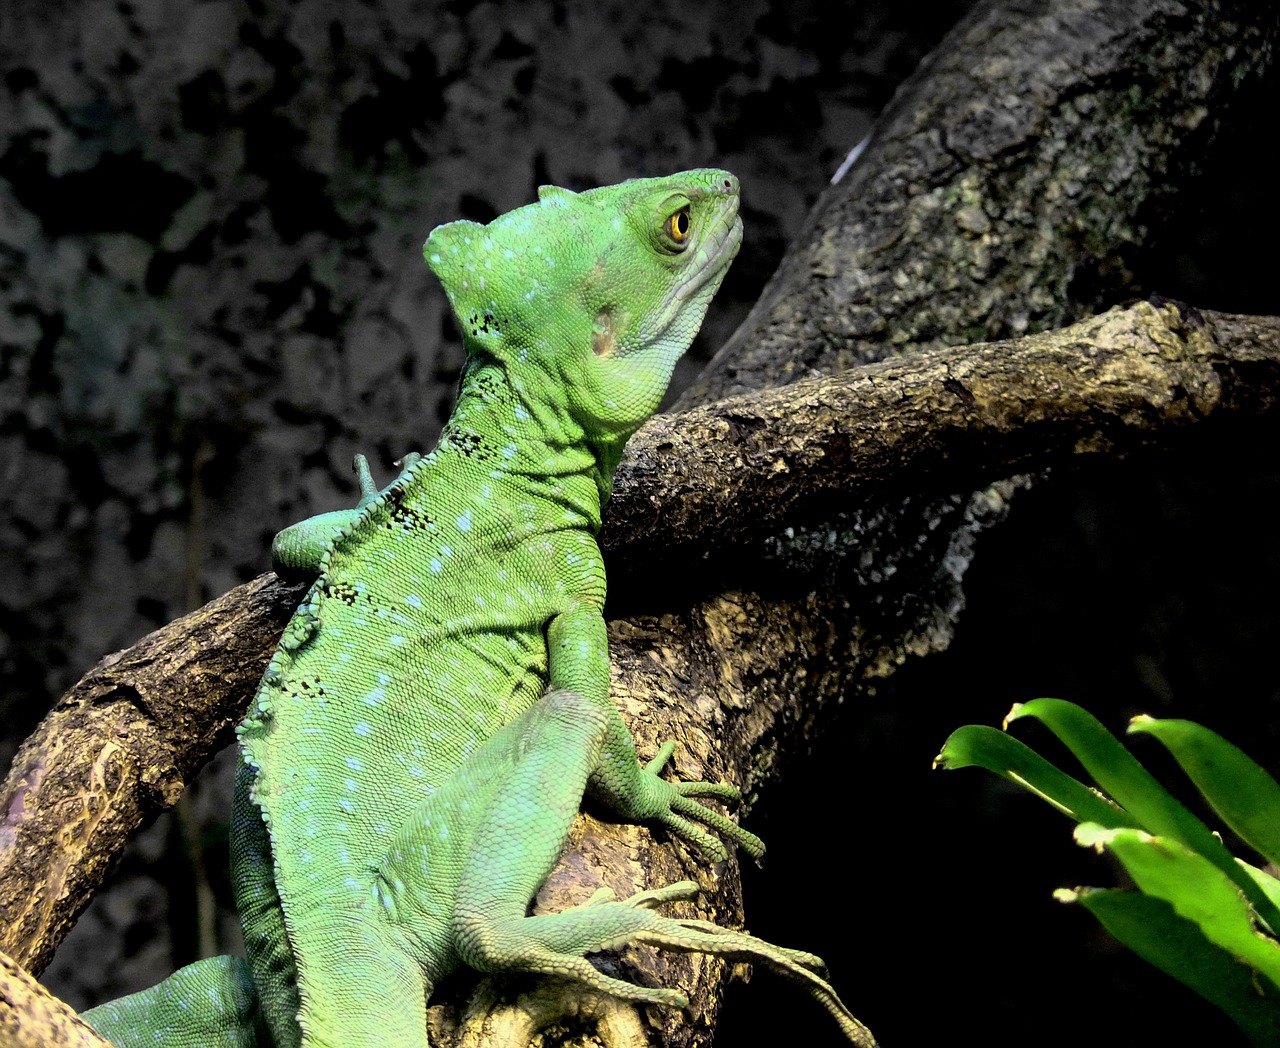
<point x="210" y="223"/>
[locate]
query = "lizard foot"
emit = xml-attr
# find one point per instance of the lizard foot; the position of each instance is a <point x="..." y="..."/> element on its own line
<point x="697" y="936"/>
<point x="557" y="944"/>
<point x="671" y="804"/>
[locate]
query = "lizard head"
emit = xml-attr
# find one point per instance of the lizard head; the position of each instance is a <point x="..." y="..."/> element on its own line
<point x="589" y="299"/>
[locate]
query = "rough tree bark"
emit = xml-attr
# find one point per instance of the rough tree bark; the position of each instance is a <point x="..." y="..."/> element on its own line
<point x="1005" y="185"/>
<point x="996" y="197"/>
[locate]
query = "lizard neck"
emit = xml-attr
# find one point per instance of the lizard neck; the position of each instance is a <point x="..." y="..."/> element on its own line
<point x="502" y="430"/>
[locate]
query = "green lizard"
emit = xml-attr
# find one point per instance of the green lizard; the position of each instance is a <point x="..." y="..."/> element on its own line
<point x="439" y="704"/>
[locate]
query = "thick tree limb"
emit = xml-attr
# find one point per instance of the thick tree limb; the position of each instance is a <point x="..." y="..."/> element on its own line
<point x="733" y="473"/>
<point x="30" y="1017"/>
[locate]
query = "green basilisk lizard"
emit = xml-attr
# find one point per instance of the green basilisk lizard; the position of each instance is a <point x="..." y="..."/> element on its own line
<point x="439" y="704"/>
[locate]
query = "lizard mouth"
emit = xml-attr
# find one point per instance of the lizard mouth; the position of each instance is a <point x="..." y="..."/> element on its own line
<point x="726" y="250"/>
<point x="686" y="303"/>
<point x="727" y="241"/>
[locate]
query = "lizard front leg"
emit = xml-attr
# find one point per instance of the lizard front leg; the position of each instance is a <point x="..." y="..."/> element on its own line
<point x="578" y="649"/>
<point x="299" y="548"/>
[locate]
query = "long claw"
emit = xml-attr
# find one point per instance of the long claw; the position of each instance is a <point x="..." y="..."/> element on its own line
<point x="720" y="790"/>
<point x="744" y="839"/>
<point x="696" y="835"/>
<point x="681" y="808"/>
<point x="678" y="891"/>
<point x="704" y="937"/>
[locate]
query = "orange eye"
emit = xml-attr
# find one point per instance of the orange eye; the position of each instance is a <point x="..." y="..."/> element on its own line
<point x="678" y="226"/>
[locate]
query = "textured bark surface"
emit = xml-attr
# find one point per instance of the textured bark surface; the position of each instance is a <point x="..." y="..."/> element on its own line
<point x="117" y="750"/>
<point x="31" y="1018"/>
<point x="1003" y="189"/>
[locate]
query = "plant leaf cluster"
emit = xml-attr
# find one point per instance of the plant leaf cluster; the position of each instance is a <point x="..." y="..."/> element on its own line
<point x="1195" y="911"/>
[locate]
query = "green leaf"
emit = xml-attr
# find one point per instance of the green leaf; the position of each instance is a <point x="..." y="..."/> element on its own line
<point x="1195" y="888"/>
<point x="1119" y="774"/>
<point x="1242" y="793"/>
<point x="979" y="745"/>
<point x="1269" y="885"/>
<point x="1152" y="930"/>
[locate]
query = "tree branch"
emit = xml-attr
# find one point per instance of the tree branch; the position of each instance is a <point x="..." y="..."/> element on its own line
<point x="119" y="748"/>
<point x="726" y="476"/>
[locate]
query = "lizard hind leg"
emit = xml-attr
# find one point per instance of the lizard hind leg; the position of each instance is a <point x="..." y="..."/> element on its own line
<point x="519" y="793"/>
<point x="556" y="944"/>
<point x="532" y="776"/>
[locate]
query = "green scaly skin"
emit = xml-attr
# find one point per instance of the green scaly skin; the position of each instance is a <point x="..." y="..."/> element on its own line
<point x="439" y="704"/>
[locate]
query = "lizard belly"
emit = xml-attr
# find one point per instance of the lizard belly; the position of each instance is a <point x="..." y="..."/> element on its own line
<point x="422" y="637"/>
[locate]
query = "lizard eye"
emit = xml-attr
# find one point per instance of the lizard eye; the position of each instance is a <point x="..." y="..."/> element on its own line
<point x="678" y="226"/>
